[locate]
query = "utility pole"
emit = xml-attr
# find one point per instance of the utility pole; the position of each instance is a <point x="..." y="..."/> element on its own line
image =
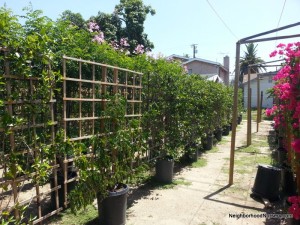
<point x="194" y="46"/>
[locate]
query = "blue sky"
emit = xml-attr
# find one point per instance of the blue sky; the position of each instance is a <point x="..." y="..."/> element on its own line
<point x="178" y="24"/>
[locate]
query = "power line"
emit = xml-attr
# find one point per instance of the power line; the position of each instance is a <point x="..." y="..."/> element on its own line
<point x="281" y="13"/>
<point x="280" y="20"/>
<point x="221" y="19"/>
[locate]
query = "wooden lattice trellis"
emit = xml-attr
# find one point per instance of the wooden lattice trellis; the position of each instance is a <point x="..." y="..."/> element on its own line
<point x="89" y="95"/>
<point x="86" y="86"/>
<point x="20" y="140"/>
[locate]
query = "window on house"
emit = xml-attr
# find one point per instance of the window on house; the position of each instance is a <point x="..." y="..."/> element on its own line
<point x="190" y="71"/>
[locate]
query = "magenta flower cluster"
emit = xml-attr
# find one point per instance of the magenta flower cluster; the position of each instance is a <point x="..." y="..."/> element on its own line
<point x="287" y="111"/>
<point x="287" y="91"/>
<point x="294" y="209"/>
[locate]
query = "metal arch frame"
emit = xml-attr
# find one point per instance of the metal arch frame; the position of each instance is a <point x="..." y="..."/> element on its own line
<point x="250" y="39"/>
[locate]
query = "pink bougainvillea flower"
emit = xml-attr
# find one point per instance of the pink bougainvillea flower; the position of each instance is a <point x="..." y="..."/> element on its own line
<point x="295" y="211"/>
<point x="295" y="125"/>
<point x="296" y="145"/>
<point x="268" y="112"/>
<point x="293" y="199"/>
<point x="294" y="208"/>
<point x="280" y="45"/>
<point x="273" y="54"/>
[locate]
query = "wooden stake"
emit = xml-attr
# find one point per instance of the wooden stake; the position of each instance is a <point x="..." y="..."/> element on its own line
<point x="234" y="114"/>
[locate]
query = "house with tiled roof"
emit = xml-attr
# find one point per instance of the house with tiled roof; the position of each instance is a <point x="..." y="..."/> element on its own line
<point x="206" y="68"/>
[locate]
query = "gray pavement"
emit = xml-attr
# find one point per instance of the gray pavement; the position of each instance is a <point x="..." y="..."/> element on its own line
<point x="205" y="198"/>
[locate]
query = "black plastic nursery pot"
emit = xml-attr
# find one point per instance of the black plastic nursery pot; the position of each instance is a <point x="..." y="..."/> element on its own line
<point x="226" y="130"/>
<point x="191" y="153"/>
<point x="239" y="119"/>
<point x="192" y="156"/>
<point x="208" y="142"/>
<point x="61" y="190"/>
<point x="288" y="182"/>
<point x="292" y="221"/>
<point x="164" y="169"/>
<point x="218" y="134"/>
<point x="281" y="156"/>
<point x="267" y="182"/>
<point x="112" y="209"/>
<point x="280" y="142"/>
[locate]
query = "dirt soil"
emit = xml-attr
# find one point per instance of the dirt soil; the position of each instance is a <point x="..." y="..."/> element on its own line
<point x="204" y="197"/>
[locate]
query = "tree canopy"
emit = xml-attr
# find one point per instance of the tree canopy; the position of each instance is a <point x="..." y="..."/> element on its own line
<point x="75" y="18"/>
<point x="250" y="58"/>
<point x="124" y="28"/>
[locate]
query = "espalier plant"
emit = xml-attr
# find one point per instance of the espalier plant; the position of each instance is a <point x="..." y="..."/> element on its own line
<point x="26" y="149"/>
<point x="25" y="54"/>
<point x="116" y="151"/>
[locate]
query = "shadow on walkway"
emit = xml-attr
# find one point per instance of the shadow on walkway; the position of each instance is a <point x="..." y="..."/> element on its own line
<point x="209" y="197"/>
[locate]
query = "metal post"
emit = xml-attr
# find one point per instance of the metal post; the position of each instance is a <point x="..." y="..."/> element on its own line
<point x="250" y="117"/>
<point x="258" y="103"/>
<point x="261" y="103"/>
<point x="234" y="113"/>
<point x="249" y="111"/>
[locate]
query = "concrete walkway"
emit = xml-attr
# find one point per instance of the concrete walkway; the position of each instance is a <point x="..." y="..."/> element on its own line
<point x="205" y="198"/>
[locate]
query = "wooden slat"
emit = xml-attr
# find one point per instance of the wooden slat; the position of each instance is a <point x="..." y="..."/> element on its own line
<point x="99" y="64"/>
<point x="11" y="135"/>
<point x="20" y="77"/>
<point x="101" y="82"/>
<point x="48" y="215"/>
<point x="84" y="99"/>
<point x="26" y="126"/>
<point x="94" y="96"/>
<point x="22" y="178"/>
<point x="42" y="194"/>
<point x="85" y="118"/>
<point x="96" y="100"/>
<point x="15" y="102"/>
<point x="80" y="96"/>
<point x="64" y="96"/>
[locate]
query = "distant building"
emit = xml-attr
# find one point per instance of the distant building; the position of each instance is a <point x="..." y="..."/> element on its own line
<point x="265" y="82"/>
<point x="206" y="68"/>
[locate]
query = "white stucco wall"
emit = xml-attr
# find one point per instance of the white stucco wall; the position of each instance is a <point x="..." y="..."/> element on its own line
<point x="265" y="84"/>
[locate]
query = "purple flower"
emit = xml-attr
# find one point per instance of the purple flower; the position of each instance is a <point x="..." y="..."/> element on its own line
<point x="123" y="42"/>
<point x="99" y="38"/>
<point x="139" y="49"/>
<point x="92" y="26"/>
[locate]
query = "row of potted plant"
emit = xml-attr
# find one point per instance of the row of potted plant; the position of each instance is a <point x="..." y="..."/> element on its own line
<point x="182" y="112"/>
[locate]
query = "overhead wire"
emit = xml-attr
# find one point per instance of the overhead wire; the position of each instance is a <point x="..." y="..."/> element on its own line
<point x="280" y="19"/>
<point x="228" y="28"/>
<point x="281" y="14"/>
